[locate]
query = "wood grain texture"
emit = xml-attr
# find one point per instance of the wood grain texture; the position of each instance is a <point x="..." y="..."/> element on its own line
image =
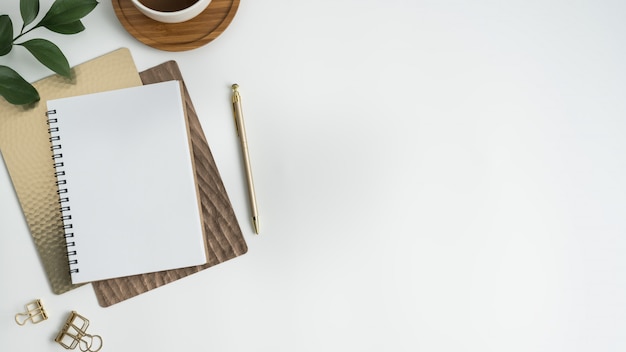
<point x="222" y="233"/>
<point x="188" y="35"/>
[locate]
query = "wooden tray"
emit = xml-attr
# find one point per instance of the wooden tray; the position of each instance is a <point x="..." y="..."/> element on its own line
<point x="188" y="35"/>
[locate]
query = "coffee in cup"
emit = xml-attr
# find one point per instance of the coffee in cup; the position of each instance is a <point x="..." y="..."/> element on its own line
<point x="171" y="11"/>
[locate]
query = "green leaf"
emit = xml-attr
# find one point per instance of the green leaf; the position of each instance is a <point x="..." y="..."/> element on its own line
<point x="15" y="89"/>
<point x="29" y="10"/>
<point x="48" y="54"/>
<point x="66" y="11"/>
<point x="67" y="28"/>
<point x="6" y="35"/>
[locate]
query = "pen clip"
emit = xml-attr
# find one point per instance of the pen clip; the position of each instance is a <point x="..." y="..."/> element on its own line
<point x="236" y="106"/>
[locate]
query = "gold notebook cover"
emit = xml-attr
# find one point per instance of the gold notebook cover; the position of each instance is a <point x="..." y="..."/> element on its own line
<point x="25" y="147"/>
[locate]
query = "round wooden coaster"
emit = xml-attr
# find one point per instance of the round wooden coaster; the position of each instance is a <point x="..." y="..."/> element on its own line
<point x="188" y="35"/>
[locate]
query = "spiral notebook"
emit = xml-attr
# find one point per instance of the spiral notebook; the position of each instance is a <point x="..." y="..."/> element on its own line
<point x="223" y="236"/>
<point x="128" y="195"/>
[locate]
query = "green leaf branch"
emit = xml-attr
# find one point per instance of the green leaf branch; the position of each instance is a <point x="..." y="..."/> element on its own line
<point x="63" y="17"/>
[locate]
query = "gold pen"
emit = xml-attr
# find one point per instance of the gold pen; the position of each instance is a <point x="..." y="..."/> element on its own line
<point x="241" y="132"/>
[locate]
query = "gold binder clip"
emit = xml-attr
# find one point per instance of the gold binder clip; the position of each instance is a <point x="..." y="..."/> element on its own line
<point x="74" y="334"/>
<point x="34" y="312"/>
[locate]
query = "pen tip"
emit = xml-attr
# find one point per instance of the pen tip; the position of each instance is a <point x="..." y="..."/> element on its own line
<point x="255" y="222"/>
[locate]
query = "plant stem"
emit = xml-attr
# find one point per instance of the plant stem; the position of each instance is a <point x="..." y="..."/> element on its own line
<point x="22" y="33"/>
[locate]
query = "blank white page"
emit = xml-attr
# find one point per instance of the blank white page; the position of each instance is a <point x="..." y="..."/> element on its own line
<point x="130" y="182"/>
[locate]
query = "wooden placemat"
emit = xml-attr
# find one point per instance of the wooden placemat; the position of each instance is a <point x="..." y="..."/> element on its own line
<point x="222" y="232"/>
<point x="188" y="35"/>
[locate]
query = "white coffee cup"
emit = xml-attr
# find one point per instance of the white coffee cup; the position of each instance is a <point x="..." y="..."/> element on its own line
<point x="170" y="11"/>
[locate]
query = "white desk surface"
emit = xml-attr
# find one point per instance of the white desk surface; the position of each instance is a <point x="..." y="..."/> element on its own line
<point x="431" y="176"/>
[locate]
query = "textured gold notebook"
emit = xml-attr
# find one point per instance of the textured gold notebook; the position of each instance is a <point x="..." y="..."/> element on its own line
<point x="25" y="146"/>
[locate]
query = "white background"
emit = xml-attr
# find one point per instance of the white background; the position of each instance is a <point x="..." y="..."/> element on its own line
<point x="431" y="176"/>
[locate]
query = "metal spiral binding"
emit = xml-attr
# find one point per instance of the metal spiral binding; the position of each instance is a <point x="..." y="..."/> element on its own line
<point x="64" y="209"/>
